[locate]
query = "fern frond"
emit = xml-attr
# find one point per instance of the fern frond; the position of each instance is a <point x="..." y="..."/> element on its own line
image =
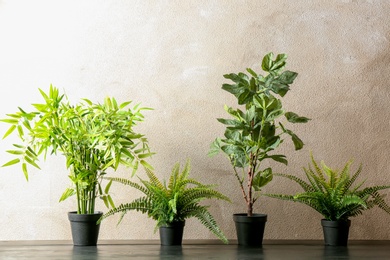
<point x="207" y="220"/>
<point x="315" y="183"/>
<point x="348" y="185"/>
<point x="184" y="174"/>
<point x="305" y="186"/>
<point x="332" y="175"/>
<point x="186" y="182"/>
<point x="380" y="202"/>
<point x="153" y="179"/>
<point x="280" y="196"/>
<point x="313" y="200"/>
<point x="174" y="176"/>
<point x="317" y="168"/>
<point x="129" y="183"/>
<point x="142" y="204"/>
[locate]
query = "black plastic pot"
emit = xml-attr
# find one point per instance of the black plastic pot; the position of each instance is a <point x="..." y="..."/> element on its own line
<point x="336" y="232"/>
<point x="250" y="230"/>
<point x="85" y="231"/>
<point x="172" y="234"/>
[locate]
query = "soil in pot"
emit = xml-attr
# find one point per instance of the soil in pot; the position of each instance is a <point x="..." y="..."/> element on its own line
<point x="85" y="231"/>
<point x="250" y="230"/>
<point x="172" y="234"/>
<point x="336" y="232"/>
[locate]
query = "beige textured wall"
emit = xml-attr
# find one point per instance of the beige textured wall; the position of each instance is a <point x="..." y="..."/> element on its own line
<point x="171" y="55"/>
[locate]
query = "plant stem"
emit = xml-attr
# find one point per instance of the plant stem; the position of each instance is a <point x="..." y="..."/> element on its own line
<point x="241" y="186"/>
<point x="78" y="198"/>
<point x="92" y="200"/>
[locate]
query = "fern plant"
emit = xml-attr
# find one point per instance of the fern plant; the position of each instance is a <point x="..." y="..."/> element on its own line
<point x="172" y="202"/>
<point x="334" y="194"/>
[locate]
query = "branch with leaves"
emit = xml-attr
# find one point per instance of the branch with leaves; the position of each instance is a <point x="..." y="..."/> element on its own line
<point x="252" y="134"/>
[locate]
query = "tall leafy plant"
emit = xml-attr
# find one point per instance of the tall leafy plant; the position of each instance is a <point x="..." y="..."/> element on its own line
<point x="252" y="134"/>
<point x="333" y="193"/>
<point x="172" y="202"/>
<point x="93" y="137"/>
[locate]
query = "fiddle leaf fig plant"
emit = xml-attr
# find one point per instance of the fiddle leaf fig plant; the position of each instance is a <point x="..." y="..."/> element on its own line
<point x="93" y="137"/>
<point x="253" y="133"/>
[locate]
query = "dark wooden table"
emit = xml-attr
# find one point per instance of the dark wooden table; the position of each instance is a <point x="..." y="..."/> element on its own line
<point x="194" y="249"/>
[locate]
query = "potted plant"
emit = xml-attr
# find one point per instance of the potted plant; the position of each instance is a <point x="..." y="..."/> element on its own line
<point x="252" y="134"/>
<point x="171" y="203"/>
<point x="93" y="138"/>
<point x="335" y="196"/>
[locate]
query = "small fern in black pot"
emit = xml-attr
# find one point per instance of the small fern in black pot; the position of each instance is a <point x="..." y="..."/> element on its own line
<point x="334" y="194"/>
<point x="170" y="204"/>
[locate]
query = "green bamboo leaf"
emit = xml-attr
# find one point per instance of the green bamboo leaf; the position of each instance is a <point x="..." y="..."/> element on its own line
<point x="32" y="152"/>
<point x="24" y="168"/>
<point x="26" y="124"/>
<point x="135" y="166"/>
<point x="32" y="162"/>
<point x="67" y="193"/>
<point x="89" y="102"/>
<point x="105" y="200"/>
<point x="109" y="164"/>
<point x="146" y="165"/>
<point x="107" y="102"/>
<point x="124" y="104"/>
<point x="17" y="116"/>
<point x="107" y="189"/>
<point x="44" y="94"/>
<point x="40" y="107"/>
<point x="20" y="131"/>
<point x="145" y="155"/>
<point x="114" y="103"/>
<point x="10" y="121"/>
<point x="15" y="152"/>
<point x="12" y="162"/>
<point x="110" y="201"/>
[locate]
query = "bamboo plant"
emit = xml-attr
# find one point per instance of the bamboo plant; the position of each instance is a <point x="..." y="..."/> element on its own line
<point x="93" y="137"/>
<point x="254" y="133"/>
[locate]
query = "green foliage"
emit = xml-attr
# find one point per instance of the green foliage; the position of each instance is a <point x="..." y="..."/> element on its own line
<point x="333" y="193"/>
<point x="92" y="137"/>
<point x="172" y="202"/>
<point x="252" y="134"/>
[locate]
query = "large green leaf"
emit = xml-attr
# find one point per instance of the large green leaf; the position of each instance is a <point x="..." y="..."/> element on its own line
<point x="294" y="118"/>
<point x="266" y="64"/>
<point x="287" y="77"/>
<point x="262" y="178"/>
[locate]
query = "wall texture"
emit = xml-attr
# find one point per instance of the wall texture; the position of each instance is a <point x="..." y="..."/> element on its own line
<point x="171" y="55"/>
